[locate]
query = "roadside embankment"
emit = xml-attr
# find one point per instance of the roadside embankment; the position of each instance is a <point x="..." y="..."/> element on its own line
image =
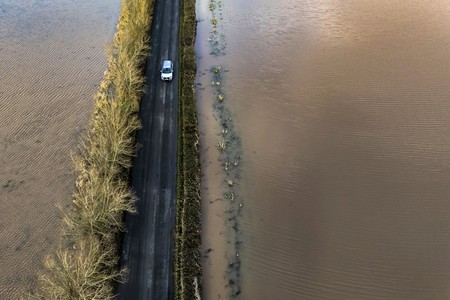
<point x="85" y="265"/>
<point x="188" y="255"/>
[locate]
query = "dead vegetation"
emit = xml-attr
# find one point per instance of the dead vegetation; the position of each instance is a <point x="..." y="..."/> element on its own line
<point x="85" y="265"/>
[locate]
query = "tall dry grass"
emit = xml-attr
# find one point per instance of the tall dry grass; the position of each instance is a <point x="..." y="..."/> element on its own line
<point x="85" y="266"/>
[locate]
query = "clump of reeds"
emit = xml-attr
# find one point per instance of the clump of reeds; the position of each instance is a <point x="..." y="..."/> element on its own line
<point x="85" y="266"/>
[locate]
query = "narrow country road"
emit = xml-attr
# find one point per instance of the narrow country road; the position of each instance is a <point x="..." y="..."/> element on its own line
<point x="148" y="245"/>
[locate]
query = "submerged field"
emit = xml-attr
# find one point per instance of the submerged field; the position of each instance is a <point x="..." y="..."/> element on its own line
<point x="343" y="113"/>
<point x="52" y="58"/>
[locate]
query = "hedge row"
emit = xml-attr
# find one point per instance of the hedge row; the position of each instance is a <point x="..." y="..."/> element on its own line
<point x="188" y="254"/>
<point x="85" y="265"/>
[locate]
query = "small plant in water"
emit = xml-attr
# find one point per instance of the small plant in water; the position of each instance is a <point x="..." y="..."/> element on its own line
<point x="226" y="165"/>
<point x="229" y="195"/>
<point x="222" y="145"/>
<point x="212" y="6"/>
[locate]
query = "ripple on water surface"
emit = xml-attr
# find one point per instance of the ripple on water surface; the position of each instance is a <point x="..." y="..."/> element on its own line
<point x="343" y="112"/>
<point x="51" y="59"/>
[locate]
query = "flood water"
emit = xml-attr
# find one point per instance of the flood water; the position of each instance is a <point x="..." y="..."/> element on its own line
<point x="51" y="59"/>
<point x="343" y="110"/>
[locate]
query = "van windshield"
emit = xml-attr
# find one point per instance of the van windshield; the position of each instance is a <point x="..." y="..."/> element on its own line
<point x="166" y="70"/>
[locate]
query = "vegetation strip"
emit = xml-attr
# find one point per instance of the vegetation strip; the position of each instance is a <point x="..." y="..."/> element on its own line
<point x="188" y="254"/>
<point x="85" y="265"/>
<point x="230" y="155"/>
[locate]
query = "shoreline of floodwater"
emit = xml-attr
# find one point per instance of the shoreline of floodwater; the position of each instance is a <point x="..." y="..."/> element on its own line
<point x="229" y="160"/>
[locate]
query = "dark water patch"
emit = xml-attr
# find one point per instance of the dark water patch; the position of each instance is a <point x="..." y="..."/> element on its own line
<point x="11" y="185"/>
<point x="218" y="131"/>
<point x="230" y="156"/>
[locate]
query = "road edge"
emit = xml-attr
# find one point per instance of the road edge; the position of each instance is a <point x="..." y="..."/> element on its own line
<point x="188" y="270"/>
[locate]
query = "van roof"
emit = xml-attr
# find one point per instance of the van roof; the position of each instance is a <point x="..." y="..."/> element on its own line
<point x="167" y="64"/>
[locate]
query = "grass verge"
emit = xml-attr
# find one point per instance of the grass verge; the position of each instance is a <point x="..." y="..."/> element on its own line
<point x="187" y="248"/>
<point x="85" y="265"/>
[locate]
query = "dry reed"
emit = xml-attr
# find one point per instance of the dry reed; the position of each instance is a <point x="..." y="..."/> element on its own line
<point x="85" y="265"/>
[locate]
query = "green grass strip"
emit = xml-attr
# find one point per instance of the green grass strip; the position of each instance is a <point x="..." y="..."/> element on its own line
<point x="188" y="255"/>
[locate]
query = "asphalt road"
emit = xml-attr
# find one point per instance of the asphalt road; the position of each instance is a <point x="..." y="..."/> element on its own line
<point x="148" y="245"/>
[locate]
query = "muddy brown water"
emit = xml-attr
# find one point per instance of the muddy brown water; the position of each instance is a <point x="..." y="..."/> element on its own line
<point x="344" y="115"/>
<point x="51" y="59"/>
